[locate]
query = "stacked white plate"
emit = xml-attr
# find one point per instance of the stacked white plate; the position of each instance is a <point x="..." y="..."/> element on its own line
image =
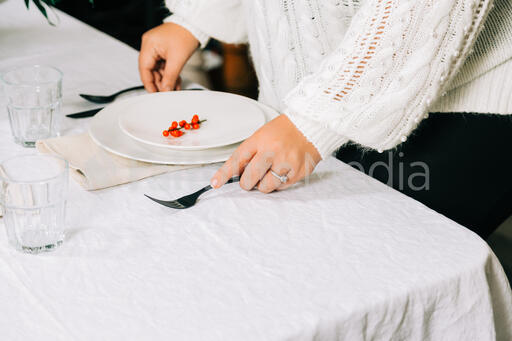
<point x="133" y="128"/>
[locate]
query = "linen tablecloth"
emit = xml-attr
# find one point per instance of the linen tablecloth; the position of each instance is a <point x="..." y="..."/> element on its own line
<point x="342" y="257"/>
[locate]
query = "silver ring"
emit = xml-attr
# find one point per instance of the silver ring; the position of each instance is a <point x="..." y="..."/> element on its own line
<point x="282" y="178"/>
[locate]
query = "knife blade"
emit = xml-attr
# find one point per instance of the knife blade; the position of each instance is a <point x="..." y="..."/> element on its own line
<point x="85" y="114"/>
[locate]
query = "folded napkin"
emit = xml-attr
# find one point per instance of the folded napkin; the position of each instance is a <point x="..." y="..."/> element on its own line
<point x="95" y="168"/>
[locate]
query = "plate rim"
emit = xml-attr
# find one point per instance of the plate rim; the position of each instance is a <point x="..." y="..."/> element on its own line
<point x="268" y="112"/>
<point x="196" y="148"/>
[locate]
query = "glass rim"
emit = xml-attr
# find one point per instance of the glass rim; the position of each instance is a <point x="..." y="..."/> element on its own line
<point x="64" y="171"/>
<point x="14" y="68"/>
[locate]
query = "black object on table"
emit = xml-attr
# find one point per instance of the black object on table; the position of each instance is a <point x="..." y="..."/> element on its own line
<point x="109" y="98"/>
<point x="188" y="200"/>
<point x="85" y="114"/>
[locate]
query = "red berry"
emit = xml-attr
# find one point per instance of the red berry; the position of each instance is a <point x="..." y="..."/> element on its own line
<point x="179" y="133"/>
<point x="182" y="123"/>
<point x="187" y="126"/>
<point x="195" y="119"/>
<point x="174" y="125"/>
<point x="166" y="133"/>
<point x="195" y="126"/>
<point x="174" y="133"/>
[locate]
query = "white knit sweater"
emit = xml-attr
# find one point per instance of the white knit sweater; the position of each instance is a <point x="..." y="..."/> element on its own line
<point x="366" y="71"/>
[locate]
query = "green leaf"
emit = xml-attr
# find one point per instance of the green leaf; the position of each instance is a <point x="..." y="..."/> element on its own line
<point x="42" y="9"/>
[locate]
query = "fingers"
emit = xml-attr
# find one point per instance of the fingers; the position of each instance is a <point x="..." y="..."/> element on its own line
<point x="157" y="76"/>
<point x="255" y="171"/>
<point x="148" y="80"/>
<point x="147" y="63"/>
<point x="179" y="84"/>
<point x="170" y="76"/>
<point x="234" y="166"/>
<point x="157" y="73"/>
<point x="270" y="183"/>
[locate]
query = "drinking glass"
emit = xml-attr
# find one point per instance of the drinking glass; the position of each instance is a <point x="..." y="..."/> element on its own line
<point x="33" y="200"/>
<point x="34" y="96"/>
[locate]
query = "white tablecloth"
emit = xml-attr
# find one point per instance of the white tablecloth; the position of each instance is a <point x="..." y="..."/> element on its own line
<point x="341" y="258"/>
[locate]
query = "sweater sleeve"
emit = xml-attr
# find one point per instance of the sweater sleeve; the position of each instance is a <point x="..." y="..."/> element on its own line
<point x="223" y="20"/>
<point x="397" y="57"/>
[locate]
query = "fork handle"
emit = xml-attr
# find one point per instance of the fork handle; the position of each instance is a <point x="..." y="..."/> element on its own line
<point x="138" y="87"/>
<point x="233" y="179"/>
<point x="209" y="187"/>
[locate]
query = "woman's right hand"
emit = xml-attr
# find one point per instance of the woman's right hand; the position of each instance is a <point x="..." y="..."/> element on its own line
<point x="164" y="51"/>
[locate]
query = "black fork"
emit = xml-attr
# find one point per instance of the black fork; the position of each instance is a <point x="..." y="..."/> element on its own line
<point x="188" y="200"/>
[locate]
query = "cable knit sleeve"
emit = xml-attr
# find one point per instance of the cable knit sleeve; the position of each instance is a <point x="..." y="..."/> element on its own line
<point x="223" y="20"/>
<point x="395" y="60"/>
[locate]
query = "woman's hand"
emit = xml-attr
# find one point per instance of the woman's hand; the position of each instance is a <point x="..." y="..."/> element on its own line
<point x="164" y="51"/>
<point x="277" y="146"/>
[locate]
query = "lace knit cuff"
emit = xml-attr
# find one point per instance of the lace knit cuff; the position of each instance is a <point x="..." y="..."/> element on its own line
<point x="324" y="139"/>
<point x="202" y="37"/>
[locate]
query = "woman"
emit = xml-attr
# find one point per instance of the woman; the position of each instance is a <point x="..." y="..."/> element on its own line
<point x="363" y="75"/>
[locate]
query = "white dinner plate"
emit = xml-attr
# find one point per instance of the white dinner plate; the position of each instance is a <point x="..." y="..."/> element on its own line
<point x="229" y="119"/>
<point x="104" y="131"/>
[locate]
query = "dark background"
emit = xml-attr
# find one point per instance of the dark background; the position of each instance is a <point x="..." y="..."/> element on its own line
<point x="125" y="20"/>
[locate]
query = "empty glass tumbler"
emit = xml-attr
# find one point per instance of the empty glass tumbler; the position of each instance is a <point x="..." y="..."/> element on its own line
<point x="33" y="196"/>
<point x="34" y="96"/>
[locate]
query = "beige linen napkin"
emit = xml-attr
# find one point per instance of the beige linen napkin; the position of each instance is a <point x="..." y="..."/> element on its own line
<point x="95" y="168"/>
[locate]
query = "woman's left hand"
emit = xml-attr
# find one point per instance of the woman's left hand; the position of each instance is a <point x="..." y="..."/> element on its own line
<point x="277" y="146"/>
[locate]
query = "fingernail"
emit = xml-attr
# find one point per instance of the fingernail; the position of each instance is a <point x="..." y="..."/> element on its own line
<point x="214" y="183"/>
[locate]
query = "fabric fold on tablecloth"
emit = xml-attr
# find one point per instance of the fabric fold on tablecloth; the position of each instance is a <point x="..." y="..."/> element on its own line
<point x="94" y="168"/>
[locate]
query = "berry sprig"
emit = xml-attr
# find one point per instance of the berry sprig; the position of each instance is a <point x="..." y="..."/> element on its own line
<point x="175" y="130"/>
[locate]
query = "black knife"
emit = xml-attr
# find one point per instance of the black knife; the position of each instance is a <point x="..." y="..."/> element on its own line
<point x="85" y="114"/>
